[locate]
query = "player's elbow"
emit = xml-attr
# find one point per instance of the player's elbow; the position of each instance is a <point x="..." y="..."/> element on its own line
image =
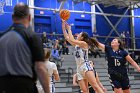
<point x="56" y="77"/>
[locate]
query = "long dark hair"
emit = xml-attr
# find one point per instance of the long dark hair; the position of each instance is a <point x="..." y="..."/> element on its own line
<point x="121" y="46"/>
<point x="90" y="41"/>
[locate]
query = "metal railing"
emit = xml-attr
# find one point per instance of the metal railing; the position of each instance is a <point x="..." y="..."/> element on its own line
<point x="70" y="72"/>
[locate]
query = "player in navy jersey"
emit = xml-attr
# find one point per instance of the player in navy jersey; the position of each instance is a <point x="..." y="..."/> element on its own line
<point x="85" y="72"/>
<point x="117" y="58"/>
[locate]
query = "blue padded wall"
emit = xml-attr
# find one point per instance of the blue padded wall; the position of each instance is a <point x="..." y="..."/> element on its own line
<point x="137" y="27"/>
<point x="6" y="18"/>
<point x="53" y="21"/>
<point x="104" y="28"/>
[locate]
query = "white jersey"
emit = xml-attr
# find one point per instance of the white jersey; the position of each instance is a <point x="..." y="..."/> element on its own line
<point x="51" y="66"/>
<point x="81" y="55"/>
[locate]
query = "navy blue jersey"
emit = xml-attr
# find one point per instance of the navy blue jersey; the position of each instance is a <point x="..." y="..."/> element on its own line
<point x="116" y="60"/>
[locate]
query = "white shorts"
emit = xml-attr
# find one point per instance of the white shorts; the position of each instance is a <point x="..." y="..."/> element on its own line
<point x="83" y="69"/>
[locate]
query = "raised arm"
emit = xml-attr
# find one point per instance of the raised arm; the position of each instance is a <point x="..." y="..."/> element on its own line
<point x="69" y="31"/>
<point x="101" y="46"/>
<point x="76" y="42"/>
<point x="66" y="34"/>
<point x="133" y="63"/>
<point x="64" y="31"/>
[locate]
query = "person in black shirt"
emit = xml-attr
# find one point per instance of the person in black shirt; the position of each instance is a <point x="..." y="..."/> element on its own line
<point x="117" y="58"/>
<point x="21" y="56"/>
<point x="44" y="38"/>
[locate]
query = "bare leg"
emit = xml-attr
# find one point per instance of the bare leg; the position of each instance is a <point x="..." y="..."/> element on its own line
<point x="83" y="86"/>
<point x="127" y="91"/>
<point x="92" y="80"/>
<point x="86" y="83"/>
<point x="118" y="90"/>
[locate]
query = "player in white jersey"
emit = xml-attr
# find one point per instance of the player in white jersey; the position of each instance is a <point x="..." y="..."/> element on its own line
<point x="85" y="72"/>
<point x="52" y="70"/>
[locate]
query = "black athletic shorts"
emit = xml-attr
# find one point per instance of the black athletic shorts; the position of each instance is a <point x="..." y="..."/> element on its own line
<point x="119" y="81"/>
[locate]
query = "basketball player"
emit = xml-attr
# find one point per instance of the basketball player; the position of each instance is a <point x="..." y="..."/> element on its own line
<point x="85" y="72"/>
<point x="91" y="90"/>
<point x="117" y="58"/>
<point x="52" y="70"/>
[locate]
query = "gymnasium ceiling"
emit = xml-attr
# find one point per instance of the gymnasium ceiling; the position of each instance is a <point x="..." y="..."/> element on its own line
<point x="118" y="3"/>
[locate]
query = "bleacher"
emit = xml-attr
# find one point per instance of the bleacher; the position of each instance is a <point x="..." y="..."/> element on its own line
<point x="68" y="68"/>
<point x="65" y="83"/>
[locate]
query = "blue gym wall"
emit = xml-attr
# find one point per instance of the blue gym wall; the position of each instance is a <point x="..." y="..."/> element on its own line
<point x="104" y="28"/>
<point x="137" y="27"/>
<point x="50" y="22"/>
<point x="6" y="18"/>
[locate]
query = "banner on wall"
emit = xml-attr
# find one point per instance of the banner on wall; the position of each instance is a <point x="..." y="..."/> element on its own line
<point x="9" y="2"/>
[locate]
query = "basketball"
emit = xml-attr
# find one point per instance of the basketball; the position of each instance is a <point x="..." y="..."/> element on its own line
<point x="65" y="14"/>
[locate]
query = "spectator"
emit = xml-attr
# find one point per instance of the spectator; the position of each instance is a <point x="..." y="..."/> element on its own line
<point x="56" y="57"/>
<point x="127" y="39"/>
<point x="58" y="47"/>
<point x="123" y="37"/>
<point x="55" y="54"/>
<point x="65" y="48"/>
<point x="94" y="53"/>
<point x="138" y="59"/>
<point x="44" y="38"/>
<point x="21" y="56"/>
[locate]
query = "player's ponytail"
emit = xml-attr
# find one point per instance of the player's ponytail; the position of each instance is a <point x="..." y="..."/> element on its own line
<point x="90" y="41"/>
<point x="93" y="42"/>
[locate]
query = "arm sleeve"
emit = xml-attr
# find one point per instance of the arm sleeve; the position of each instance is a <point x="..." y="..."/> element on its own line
<point x="37" y="48"/>
<point x="125" y="53"/>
